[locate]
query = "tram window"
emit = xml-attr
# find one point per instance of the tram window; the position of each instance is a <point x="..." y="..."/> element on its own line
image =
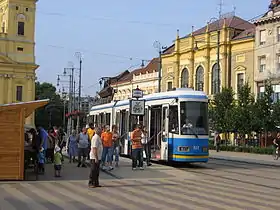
<point x="141" y="120"/>
<point x="164" y="118"/>
<point x="173" y="120"/>
<point x="133" y="122"/>
<point x="108" y="119"/>
<point x="194" y="118"/>
<point x="146" y="123"/>
<point x="118" y="116"/>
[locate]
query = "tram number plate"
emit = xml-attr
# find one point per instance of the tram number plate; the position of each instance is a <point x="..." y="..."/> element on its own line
<point x="183" y="149"/>
<point x="196" y="147"/>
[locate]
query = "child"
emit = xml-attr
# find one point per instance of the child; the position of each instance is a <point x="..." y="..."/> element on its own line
<point x="41" y="161"/>
<point x="57" y="162"/>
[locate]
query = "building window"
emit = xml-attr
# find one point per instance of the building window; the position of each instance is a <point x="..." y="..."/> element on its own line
<point x="240" y="80"/>
<point x="21" y="28"/>
<point x="216" y="79"/>
<point x="262" y="63"/>
<point x="26" y="9"/>
<point x="19" y="93"/>
<point x="278" y="63"/>
<point x="199" y="80"/>
<point x="169" y="86"/>
<point x="262" y="37"/>
<point x="185" y="78"/>
<point x="278" y="34"/>
<point x="20" y="49"/>
<point x="16" y="7"/>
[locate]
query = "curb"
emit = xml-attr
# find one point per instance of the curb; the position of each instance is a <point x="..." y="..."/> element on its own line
<point x="244" y="161"/>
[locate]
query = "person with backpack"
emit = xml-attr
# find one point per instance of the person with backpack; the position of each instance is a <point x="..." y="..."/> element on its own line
<point x="83" y="144"/>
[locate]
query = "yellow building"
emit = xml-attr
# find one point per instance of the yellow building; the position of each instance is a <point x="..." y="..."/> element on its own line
<point x="192" y="60"/>
<point x="17" y="56"/>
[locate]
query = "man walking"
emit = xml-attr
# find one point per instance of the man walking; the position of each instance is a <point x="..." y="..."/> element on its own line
<point x="95" y="158"/>
<point x="83" y="142"/>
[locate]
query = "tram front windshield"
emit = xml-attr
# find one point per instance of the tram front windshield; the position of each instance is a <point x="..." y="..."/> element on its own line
<point x="194" y="118"/>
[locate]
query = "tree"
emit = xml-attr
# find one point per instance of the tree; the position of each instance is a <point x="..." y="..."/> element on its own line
<point x="222" y="111"/>
<point x="262" y="112"/>
<point x="276" y="114"/>
<point x="52" y="114"/>
<point x="243" y="111"/>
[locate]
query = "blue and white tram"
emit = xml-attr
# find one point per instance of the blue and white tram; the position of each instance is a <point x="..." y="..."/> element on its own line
<point x="177" y="123"/>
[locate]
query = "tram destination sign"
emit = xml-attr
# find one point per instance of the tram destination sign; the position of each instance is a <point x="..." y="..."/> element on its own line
<point x="137" y="93"/>
<point x="137" y="107"/>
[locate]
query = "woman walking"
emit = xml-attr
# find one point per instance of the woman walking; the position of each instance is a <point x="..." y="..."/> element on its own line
<point x="146" y="144"/>
<point x="72" y="146"/>
<point x="116" y="144"/>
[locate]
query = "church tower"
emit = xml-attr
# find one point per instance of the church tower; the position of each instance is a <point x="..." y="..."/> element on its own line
<point x="17" y="51"/>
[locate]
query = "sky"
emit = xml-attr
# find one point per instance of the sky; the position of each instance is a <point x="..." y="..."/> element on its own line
<point x="114" y="36"/>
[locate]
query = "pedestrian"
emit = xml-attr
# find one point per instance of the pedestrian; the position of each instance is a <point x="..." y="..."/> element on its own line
<point x="90" y="132"/>
<point x="145" y="140"/>
<point x="116" y="145"/>
<point x="95" y="158"/>
<point x="41" y="161"/>
<point x="57" y="162"/>
<point x="107" y="140"/>
<point x="50" y="146"/>
<point x="83" y="142"/>
<point x="72" y="146"/>
<point x="217" y="142"/>
<point x="137" y="149"/>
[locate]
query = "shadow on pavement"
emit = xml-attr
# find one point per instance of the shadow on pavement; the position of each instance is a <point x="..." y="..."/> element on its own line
<point x="68" y="172"/>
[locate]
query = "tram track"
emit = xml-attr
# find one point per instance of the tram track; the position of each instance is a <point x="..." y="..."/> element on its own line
<point x="202" y="170"/>
<point x="247" y="162"/>
<point x="242" y="173"/>
<point x="233" y="179"/>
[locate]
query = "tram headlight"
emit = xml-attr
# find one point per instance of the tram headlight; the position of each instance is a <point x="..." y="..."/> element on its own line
<point x="205" y="149"/>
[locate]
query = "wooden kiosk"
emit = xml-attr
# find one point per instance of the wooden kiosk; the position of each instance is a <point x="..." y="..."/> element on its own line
<point x="12" y="120"/>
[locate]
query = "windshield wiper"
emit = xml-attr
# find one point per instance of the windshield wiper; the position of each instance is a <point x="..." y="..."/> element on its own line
<point x="194" y="133"/>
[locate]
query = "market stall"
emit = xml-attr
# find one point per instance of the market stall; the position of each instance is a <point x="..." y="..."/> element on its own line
<point x="12" y="120"/>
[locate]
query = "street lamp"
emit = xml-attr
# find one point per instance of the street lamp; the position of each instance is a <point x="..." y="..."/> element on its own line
<point x="79" y="56"/>
<point x="218" y="50"/>
<point x="158" y="46"/>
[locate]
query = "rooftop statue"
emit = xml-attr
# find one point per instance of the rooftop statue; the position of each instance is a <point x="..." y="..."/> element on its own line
<point x="274" y="4"/>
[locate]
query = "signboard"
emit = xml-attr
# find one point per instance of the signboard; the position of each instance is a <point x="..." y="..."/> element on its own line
<point x="137" y="93"/>
<point x="137" y="107"/>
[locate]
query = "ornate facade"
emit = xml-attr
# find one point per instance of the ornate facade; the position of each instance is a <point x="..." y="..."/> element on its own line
<point x="192" y="60"/>
<point x="267" y="45"/>
<point x="145" y="78"/>
<point x="17" y="56"/>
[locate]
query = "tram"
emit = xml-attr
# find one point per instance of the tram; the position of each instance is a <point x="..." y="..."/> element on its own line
<point x="177" y="123"/>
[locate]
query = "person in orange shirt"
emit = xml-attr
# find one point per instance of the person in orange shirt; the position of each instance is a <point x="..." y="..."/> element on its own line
<point x="90" y="132"/>
<point x="137" y="148"/>
<point x="107" y="140"/>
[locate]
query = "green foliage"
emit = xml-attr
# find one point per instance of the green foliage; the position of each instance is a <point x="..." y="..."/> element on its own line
<point x="245" y="115"/>
<point x="276" y="113"/>
<point x="221" y="110"/>
<point x="52" y="114"/>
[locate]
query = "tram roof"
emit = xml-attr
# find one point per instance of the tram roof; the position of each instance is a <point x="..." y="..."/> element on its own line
<point x="185" y="93"/>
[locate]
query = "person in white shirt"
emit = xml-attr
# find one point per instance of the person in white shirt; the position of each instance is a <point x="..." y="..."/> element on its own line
<point x="95" y="158"/>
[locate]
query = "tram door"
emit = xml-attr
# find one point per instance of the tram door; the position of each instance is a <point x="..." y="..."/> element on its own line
<point x="155" y="130"/>
<point x="123" y="131"/>
<point x="165" y="134"/>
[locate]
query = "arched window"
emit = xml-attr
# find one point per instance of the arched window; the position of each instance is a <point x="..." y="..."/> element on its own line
<point x="216" y="82"/>
<point x="199" y="81"/>
<point x="21" y="24"/>
<point x="185" y="78"/>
